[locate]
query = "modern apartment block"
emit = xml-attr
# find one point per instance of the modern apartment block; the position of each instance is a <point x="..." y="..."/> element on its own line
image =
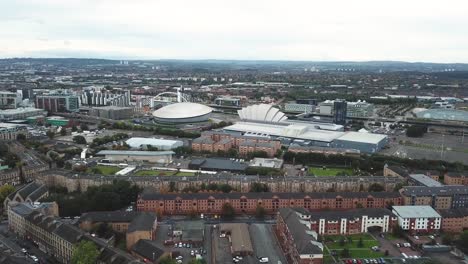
<point x="9" y="100"/>
<point x="352" y="109"/>
<point x="247" y="203"/>
<point x="299" y="108"/>
<point x="57" y="103"/>
<point x="418" y="218"/>
<point x="298" y="242"/>
<point x="102" y="97"/>
<point x="442" y="197"/>
<point x="353" y="221"/>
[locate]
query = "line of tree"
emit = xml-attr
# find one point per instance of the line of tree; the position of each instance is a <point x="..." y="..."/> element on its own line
<point x="371" y="163"/>
<point x="106" y="139"/>
<point x="106" y="197"/>
<point x="157" y="130"/>
<point x="416" y="131"/>
<point x="10" y="159"/>
<point x="85" y="252"/>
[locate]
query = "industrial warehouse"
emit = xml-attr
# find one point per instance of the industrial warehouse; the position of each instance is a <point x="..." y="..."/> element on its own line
<point x="268" y="123"/>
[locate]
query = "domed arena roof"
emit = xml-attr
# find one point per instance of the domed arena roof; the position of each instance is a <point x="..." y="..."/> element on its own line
<point x="262" y="112"/>
<point x="182" y="110"/>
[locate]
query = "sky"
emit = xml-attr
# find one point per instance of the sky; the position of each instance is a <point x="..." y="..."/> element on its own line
<point x="331" y="30"/>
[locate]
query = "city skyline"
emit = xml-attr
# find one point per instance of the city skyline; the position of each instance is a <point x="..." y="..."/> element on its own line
<point x="261" y="30"/>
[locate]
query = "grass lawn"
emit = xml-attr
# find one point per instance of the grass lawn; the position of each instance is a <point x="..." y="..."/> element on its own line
<point x="319" y="171"/>
<point x="356" y="252"/>
<point x="162" y="173"/>
<point x="367" y="244"/>
<point x="154" y="173"/>
<point x="105" y="170"/>
<point x="185" y="174"/>
<point x="354" y="237"/>
<point x="328" y="259"/>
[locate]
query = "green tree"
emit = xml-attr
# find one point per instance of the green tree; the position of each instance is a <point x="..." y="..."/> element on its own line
<point x="172" y="186"/>
<point x="50" y="134"/>
<point x="228" y="212"/>
<point x="463" y="241"/>
<point x="416" y="131"/>
<point x="447" y="239"/>
<point x="74" y="128"/>
<point x="197" y="261"/>
<point x="96" y="170"/>
<point x="63" y="132"/>
<point x="341" y="242"/>
<point x="398" y="231"/>
<point x="259" y="187"/>
<point x="375" y="187"/>
<point x="84" y="126"/>
<point x="360" y="243"/>
<point x="225" y="188"/>
<point x="85" y="252"/>
<point x="21" y="137"/>
<point x="5" y="190"/>
<point x="79" y="139"/>
<point x="260" y="212"/>
<point x="167" y="260"/>
<point x="345" y="253"/>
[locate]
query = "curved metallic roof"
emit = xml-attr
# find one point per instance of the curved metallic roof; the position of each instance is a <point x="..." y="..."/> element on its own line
<point x="182" y="110"/>
<point x="262" y="112"/>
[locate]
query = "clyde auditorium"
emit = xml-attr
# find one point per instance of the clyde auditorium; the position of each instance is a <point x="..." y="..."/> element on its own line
<point x="185" y="112"/>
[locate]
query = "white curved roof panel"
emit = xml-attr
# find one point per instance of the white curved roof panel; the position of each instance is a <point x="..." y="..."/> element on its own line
<point x="182" y="110"/>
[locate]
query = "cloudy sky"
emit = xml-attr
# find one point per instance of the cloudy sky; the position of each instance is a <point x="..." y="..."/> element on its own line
<point x="408" y="30"/>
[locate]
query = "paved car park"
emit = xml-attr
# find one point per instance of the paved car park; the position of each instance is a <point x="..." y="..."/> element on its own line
<point x="265" y="243"/>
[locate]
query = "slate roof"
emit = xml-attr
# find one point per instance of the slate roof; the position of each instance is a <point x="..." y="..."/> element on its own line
<point x="69" y="233"/>
<point x="267" y="195"/>
<point x="38" y="193"/>
<point x="109" y="216"/>
<point x="399" y="170"/>
<point x="28" y="189"/>
<point x="350" y="214"/>
<point x="446" y="190"/>
<point x="146" y="248"/>
<point x="142" y="222"/>
<point x="219" y="164"/>
<point x="203" y="140"/>
<point x="454" y="213"/>
<point x="305" y="243"/>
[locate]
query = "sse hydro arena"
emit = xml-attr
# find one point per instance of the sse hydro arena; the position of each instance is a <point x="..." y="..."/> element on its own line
<point x="180" y="113"/>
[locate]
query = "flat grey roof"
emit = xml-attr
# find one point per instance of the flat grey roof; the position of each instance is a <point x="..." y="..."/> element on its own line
<point x="135" y="153"/>
<point x="425" y="180"/>
<point x="415" y="211"/>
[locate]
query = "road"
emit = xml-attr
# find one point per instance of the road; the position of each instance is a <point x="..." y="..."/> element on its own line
<point x="265" y="243"/>
<point x="15" y="244"/>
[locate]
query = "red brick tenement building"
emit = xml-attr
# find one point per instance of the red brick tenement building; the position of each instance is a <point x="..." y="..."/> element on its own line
<point x="456" y="178"/>
<point x="298" y="243"/>
<point x="213" y="141"/>
<point x="454" y="220"/>
<point x="246" y="203"/>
